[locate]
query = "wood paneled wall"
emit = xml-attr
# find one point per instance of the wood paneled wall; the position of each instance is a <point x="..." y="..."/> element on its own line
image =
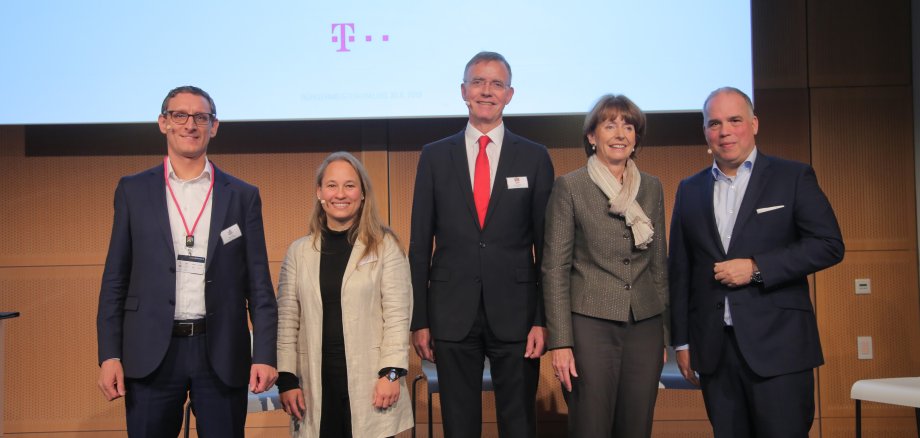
<point x="832" y="87"/>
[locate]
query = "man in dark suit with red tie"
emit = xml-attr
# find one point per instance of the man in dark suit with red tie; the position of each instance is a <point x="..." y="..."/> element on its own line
<point x="479" y="203"/>
<point x="745" y="234"/>
<point x="186" y="264"/>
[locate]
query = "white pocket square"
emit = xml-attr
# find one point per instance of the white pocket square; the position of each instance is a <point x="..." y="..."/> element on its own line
<point x="766" y="209"/>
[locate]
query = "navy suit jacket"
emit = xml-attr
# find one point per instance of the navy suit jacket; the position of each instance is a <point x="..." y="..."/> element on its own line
<point x="774" y="322"/>
<point x="498" y="262"/>
<point x="138" y="295"/>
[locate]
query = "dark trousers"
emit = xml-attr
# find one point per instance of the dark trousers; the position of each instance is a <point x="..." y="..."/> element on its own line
<point x="514" y="377"/>
<point x="742" y="404"/>
<point x="155" y="403"/>
<point x="619" y="365"/>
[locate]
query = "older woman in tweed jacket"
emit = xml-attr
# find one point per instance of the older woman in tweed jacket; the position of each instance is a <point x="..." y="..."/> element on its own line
<point x="605" y="279"/>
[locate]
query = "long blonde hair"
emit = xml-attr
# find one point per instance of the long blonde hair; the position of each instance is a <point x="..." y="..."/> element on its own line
<point x="368" y="227"/>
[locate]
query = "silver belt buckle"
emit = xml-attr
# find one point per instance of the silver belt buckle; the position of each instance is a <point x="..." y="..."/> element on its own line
<point x="192" y="327"/>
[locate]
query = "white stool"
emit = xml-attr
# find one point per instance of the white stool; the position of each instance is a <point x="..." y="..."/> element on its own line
<point x="903" y="391"/>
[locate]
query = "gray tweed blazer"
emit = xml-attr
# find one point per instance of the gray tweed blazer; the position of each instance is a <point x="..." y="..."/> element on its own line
<point x="590" y="264"/>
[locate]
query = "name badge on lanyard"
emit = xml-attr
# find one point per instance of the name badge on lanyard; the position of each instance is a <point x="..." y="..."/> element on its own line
<point x="190" y="264"/>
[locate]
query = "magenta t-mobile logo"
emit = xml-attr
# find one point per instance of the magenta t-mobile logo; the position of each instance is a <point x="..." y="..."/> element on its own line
<point x="346" y="34"/>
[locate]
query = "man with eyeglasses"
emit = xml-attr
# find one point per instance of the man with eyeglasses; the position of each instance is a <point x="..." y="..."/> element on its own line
<point x="186" y="263"/>
<point x="479" y="202"/>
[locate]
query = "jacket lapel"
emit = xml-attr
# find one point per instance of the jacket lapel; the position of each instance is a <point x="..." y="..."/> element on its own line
<point x="505" y="161"/>
<point x="311" y="258"/>
<point x="462" y="168"/>
<point x="220" y="198"/>
<point x="157" y="192"/>
<point x="706" y="203"/>
<point x="354" y="260"/>
<point x="759" y="177"/>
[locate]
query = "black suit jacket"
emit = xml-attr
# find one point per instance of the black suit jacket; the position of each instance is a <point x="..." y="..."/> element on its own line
<point x="498" y="262"/>
<point x="138" y="295"/>
<point x="794" y="234"/>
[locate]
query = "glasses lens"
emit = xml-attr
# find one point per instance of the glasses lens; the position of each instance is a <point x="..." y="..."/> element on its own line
<point x="202" y="118"/>
<point x="178" y="117"/>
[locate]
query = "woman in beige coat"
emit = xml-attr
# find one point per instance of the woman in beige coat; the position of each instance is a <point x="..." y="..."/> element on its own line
<point x="344" y="305"/>
<point x="605" y="283"/>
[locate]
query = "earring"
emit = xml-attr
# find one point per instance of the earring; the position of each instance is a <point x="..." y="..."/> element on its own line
<point x="593" y="147"/>
<point x="709" y="151"/>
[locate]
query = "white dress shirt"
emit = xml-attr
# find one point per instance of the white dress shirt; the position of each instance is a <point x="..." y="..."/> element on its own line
<point x="191" y="196"/>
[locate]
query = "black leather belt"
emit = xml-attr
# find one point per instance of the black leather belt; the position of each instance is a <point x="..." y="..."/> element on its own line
<point x="189" y="328"/>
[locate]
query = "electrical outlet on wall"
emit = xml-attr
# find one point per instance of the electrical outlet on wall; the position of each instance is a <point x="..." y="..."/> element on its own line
<point x="864" y="347"/>
<point x="863" y="286"/>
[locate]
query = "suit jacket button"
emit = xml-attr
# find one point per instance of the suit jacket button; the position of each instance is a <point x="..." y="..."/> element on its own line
<point x="172" y="302"/>
<point x="628" y="286"/>
<point x="625" y="261"/>
<point x="172" y="269"/>
<point x="626" y="235"/>
<point x="482" y="244"/>
<point x="719" y="305"/>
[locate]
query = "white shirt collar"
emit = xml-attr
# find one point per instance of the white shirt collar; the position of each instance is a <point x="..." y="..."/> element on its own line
<point x="747" y="164"/>
<point x="206" y="173"/>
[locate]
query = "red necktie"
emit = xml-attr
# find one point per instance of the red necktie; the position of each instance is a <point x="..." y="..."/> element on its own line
<point x="481" y="180"/>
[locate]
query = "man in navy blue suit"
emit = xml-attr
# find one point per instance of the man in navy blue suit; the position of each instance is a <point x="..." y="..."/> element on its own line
<point x="479" y="203"/>
<point x="186" y="263"/>
<point x="745" y="234"/>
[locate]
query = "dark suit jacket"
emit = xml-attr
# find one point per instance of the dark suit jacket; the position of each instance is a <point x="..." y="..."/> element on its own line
<point x="774" y="322"/>
<point x="138" y="295"/>
<point x="496" y="262"/>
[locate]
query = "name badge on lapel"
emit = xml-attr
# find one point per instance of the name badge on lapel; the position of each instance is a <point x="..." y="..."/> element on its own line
<point x="231" y="234"/>
<point x="190" y="264"/>
<point x="517" y="182"/>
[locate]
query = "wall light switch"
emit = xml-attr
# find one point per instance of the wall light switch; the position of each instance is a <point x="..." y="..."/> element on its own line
<point x="864" y="347"/>
<point x="863" y="286"/>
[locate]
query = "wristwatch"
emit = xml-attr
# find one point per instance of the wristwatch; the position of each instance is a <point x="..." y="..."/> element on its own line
<point x="756" y="278"/>
<point x="392" y="374"/>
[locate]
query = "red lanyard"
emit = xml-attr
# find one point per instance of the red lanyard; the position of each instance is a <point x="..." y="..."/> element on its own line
<point x="189" y="234"/>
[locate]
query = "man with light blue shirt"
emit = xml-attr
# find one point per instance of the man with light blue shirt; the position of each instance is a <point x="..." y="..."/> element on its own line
<point x="745" y="234"/>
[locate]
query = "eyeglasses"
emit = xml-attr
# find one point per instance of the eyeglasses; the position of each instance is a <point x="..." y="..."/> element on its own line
<point x="479" y="83"/>
<point x="180" y="118"/>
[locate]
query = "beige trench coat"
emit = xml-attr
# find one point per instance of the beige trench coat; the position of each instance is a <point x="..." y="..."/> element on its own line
<point x="376" y="309"/>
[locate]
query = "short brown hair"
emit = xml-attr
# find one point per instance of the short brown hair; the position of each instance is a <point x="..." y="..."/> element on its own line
<point x="190" y="89"/>
<point x="609" y="107"/>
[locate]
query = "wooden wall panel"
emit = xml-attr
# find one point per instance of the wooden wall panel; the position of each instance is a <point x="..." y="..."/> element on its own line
<point x="51" y="364"/>
<point x="890" y="315"/>
<point x="784" y="123"/>
<point x="780" y="58"/>
<point x="858" y="43"/>
<point x="862" y="150"/>
<point x="66" y="218"/>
